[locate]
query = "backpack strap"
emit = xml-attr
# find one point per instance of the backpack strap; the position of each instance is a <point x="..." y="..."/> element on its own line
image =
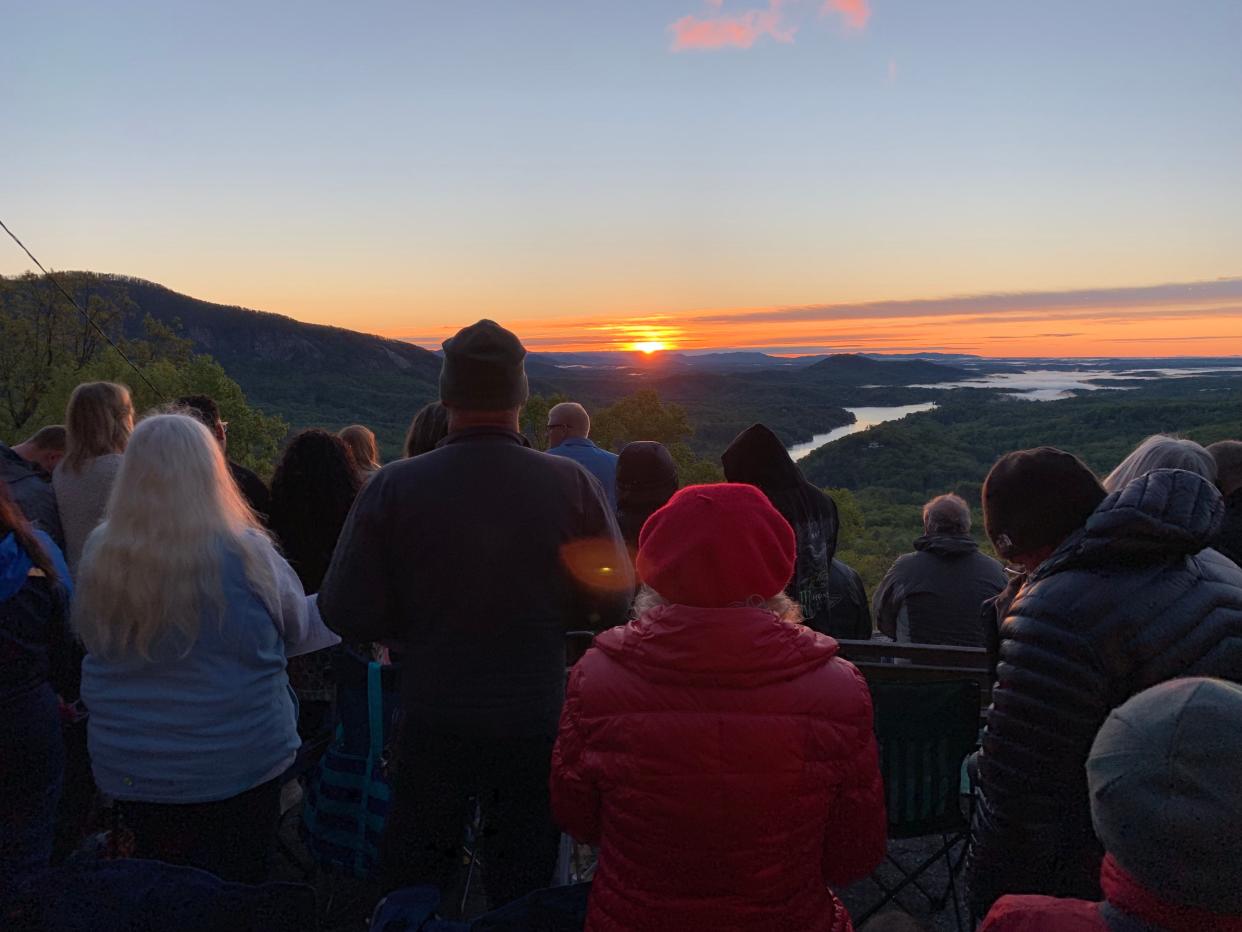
<point x="375" y="713"/>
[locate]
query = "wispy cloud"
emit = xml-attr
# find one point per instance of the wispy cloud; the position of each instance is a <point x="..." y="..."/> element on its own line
<point x="742" y="29"/>
<point x="1147" y="296"/>
<point x="739" y="30"/>
<point x="854" y="12"/>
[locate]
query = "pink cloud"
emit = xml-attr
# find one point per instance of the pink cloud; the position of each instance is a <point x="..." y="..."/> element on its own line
<point x="854" y="12"/>
<point x="738" y="31"/>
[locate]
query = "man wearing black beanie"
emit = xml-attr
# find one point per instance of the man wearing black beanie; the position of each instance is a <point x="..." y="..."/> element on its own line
<point x="477" y="557"/>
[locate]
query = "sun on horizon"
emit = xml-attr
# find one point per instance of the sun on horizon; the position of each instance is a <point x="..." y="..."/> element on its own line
<point x="648" y="347"/>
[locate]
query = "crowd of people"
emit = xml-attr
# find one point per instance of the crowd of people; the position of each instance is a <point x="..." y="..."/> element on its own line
<point x="713" y="744"/>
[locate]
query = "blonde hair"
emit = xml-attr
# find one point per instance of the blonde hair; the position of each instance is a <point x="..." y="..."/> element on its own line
<point x="780" y="605"/>
<point x="1160" y="451"/>
<point x="361" y="443"/>
<point x="98" y="420"/>
<point x="153" y="567"/>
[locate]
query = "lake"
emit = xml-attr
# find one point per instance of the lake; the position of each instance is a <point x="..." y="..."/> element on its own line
<point x="864" y="418"/>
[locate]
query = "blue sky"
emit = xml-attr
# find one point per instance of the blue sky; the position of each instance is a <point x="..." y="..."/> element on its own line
<point x="408" y="167"/>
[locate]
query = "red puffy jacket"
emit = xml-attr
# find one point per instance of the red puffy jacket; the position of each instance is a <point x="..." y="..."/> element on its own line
<point x="724" y="762"/>
<point x="1132" y="905"/>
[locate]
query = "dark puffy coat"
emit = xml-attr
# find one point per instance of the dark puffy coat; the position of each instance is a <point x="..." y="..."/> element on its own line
<point x="724" y="761"/>
<point x="1131" y="600"/>
<point x="1229" y="539"/>
<point x="934" y="595"/>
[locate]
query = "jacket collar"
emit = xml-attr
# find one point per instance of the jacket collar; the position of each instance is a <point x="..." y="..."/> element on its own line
<point x="576" y="442"/>
<point x="949" y="545"/>
<point x="716" y="647"/>
<point x="1124" y="893"/>
<point x="484" y="435"/>
<point x="1164" y="513"/>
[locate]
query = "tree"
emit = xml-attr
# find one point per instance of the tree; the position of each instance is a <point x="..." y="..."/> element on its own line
<point x="47" y="349"/>
<point x="641" y="416"/>
<point x="534" y="418"/>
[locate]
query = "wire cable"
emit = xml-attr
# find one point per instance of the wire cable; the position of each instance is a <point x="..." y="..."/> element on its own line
<point x="87" y="317"/>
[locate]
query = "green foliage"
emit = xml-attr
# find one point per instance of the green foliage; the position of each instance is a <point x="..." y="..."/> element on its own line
<point x="891" y="470"/>
<point x="534" y="418"/>
<point x="640" y="416"/>
<point x="47" y="349"/>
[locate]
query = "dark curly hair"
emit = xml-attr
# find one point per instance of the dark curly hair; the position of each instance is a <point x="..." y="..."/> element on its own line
<point x="429" y="427"/>
<point x="313" y="488"/>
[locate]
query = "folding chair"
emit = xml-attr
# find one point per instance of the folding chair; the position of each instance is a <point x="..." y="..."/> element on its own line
<point x="925" y="732"/>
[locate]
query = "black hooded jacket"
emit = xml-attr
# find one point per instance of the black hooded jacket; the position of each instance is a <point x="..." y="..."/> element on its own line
<point x="646" y="480"/>
<point x="757" y="457"/>
<point x="1131" y="600"/>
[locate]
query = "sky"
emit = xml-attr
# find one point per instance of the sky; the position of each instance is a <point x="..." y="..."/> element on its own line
<point x="1053" y="178"/>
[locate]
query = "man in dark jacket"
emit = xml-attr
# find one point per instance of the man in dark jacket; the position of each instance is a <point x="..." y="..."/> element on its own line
<point x="253" y="489"/>
<point x="934" y="595"/>
<point x="27" y="469"/>
<point x="1228" y="456"/>
<point x="1130" y="600"/>
<point x="477" y="557"/>
<point x="849" y="615"/>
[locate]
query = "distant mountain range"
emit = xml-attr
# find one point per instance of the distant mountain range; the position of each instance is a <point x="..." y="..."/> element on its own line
<point x="329" y="376"/>
<point x="312" y="374"/>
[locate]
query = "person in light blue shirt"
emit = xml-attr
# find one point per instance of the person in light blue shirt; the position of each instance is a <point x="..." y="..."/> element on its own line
<point x="188" y="615"/>
<point x="569" y="432"/>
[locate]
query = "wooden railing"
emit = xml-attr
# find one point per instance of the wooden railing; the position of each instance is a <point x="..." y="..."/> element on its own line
<point x="881" y="661"/>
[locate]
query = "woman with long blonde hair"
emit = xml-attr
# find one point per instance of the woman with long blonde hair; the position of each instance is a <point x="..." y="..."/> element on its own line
<point x="363" y="448"/>
<point x="98" y="422"/>
<point x="188" y="614"/>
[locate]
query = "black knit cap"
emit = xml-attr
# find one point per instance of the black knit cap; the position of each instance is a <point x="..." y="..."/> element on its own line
<point x="483" y="369"/>
<point x="1036" y="498"/>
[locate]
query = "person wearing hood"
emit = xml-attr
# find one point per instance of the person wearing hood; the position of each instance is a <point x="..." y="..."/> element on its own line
<point x="1165" y="801"/>
<point x="37" y="660"/>
<point x="646" y="480"/>
<point x="719" y="753"/>
<point x="757" y="457"/>
<point x="1130" y="599"/>
<point x="934" y="595"/>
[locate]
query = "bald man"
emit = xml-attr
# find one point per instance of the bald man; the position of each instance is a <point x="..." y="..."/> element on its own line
<point x="569" y="431"/>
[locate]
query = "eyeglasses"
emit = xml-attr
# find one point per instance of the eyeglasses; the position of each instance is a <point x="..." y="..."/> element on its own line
<point x="557" y="427"/>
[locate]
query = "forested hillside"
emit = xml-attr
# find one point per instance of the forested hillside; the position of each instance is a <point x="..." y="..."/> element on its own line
<point x="888" y="472"/>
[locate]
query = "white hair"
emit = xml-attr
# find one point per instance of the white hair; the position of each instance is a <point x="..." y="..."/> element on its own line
<point x="946" y="514"/>
<point x="780" y="605"/>
<point x="152" y="568"/>
<point x="1160" y="451"/>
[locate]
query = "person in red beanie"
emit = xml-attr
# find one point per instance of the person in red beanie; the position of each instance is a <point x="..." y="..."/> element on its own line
<point x="719" y="752"/>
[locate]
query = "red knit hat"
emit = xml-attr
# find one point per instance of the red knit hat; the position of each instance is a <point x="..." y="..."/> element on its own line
<point x="716" y="545"/>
